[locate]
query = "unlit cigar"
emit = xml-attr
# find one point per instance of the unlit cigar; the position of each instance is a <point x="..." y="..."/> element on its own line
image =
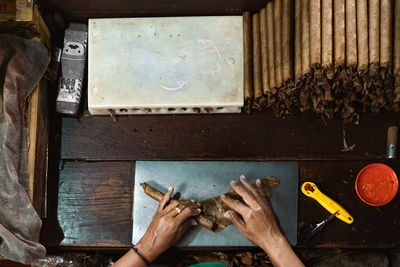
<point x="287" y="41"/>
<point x="351" y="33"/>
<point x="339" y="34"/>
<point x="315" y="32"/>
<point x="373" y="16"/>
<point x="264" y="51"/>
<point x="305" y="39"/>
<point x="297" y="39"/>
<point x="278" y="41"/>
<point x="362" y="34"/>
<point x="327" y="33"/>
<point x="392" y="141"/>
<point x="257" y="80"/>
<point x="385" y="56"/>
<point x="247" y="58"/>
<point x="158" y="196"/>
<point x="271" y="44"/>
<point x="396" y="42"/>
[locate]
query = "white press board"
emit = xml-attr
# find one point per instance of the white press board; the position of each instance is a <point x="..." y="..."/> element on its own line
<point x="165" y="64"/>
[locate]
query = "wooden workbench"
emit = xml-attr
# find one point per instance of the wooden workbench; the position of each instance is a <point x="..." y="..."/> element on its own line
<point x="92" y="165"/>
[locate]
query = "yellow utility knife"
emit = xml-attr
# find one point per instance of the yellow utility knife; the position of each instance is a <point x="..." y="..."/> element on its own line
<point x="311" y="190"/>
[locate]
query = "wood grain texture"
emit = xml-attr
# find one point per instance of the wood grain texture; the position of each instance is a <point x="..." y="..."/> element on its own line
<point x="94" y="204"/>
<point x="76" y="10"/>
<point x="374" y="227"/>
<point x="222" y="136"/>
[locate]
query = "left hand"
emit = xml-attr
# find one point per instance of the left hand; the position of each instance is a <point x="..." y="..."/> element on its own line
<point x="167" y="226"/>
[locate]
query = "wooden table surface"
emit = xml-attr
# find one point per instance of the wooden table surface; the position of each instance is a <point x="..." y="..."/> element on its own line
<point x="92" y="165"/>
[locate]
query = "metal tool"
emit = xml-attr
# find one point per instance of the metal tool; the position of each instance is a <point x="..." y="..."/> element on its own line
<point x="310" y="234"/>
<point x="392" y="140"/>
<point x="311" y="190"/>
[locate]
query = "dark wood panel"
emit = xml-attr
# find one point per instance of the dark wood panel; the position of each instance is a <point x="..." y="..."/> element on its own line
<point x="222" y="136"/>
<point x="373" y="227"/>
<point x="94" y="205"/>
<point x="82" y="10"/>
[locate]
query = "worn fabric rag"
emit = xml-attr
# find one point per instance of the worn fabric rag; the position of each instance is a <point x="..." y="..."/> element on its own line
<point x="22" y="64"/>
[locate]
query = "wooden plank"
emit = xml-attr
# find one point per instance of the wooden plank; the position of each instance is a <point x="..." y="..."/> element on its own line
<point x="223" y="136"/>
<point x="373" y="227"/>
<point x="37" y="150"/>
<point x="76" y="10"/>
<point x="94" y="205"/>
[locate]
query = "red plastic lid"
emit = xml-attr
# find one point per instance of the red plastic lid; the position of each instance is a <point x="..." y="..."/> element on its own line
<point x="377" y="184"/>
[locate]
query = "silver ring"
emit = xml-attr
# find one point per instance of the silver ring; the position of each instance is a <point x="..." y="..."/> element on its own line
<point x="178" y="210"/>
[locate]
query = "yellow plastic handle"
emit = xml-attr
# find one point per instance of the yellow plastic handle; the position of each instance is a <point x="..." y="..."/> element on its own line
<point x="311" y="190"/>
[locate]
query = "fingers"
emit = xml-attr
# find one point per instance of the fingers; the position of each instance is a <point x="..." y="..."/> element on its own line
<point x="244" y="193"/>
<point x="236" y="205"/>
<point x="184" y="227"/>
<point x="256" y="190"/>
<point x="235" y="219"/>
<point x="187" y="212"/>
<point x="165" y="199"/>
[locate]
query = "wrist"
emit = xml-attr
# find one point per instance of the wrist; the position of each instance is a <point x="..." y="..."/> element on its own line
<point x="146" y="250"/>
<point x="274" y="243"/>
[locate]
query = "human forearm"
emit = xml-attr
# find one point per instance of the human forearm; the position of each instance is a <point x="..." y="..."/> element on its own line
<point x="281" y="253"/>
<point x="130" y="259"/>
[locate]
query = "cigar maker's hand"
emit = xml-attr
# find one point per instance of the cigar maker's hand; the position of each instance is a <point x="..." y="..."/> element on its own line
<point x="167" y="226"/>
<point x="257" y="222"/>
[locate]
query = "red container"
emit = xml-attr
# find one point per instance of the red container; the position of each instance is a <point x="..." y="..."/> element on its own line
<point x="377" y="184"/>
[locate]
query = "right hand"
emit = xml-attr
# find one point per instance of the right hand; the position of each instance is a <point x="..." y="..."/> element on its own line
<point x="257" y="222"/>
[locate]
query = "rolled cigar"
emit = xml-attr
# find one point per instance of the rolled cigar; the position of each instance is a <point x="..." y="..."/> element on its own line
<point x="271" y="44"/>
<point x="287" y="41"/>
<point x="339" y="34"/>
<point x="278" y="41"/>
<point x="327" y="37"/>
<point x="258" y="90"/>
<point x="351" y="33"/>
<point x="396" y="42"/>
<point x="264" y="51"/>
<point x="158" y="196"/>
<point x="385" y="56"/>
<point x="373" y="10"/>
<point x="297" y="39"/>
<point x="362" y="34"/>
<point x="396" y="50"/>
<point x="315" y="32"/>
<point x="248" y="58"/>
<point x="305" y="38"/>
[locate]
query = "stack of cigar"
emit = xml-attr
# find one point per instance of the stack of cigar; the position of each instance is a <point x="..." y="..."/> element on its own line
<point x="329" y="56"/>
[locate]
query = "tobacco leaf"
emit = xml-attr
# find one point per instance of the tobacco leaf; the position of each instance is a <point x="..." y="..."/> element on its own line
<point x="215" y="208"/>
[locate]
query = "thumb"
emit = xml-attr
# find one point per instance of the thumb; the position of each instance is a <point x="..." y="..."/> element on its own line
<point x="184" y="227"/>
<point x="234" y="218"/>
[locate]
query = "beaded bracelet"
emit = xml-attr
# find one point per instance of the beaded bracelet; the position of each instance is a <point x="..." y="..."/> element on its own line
<point x="140" y="255"/>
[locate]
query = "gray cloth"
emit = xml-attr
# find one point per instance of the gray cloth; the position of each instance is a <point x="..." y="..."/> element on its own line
<point x="22" y="64"/>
